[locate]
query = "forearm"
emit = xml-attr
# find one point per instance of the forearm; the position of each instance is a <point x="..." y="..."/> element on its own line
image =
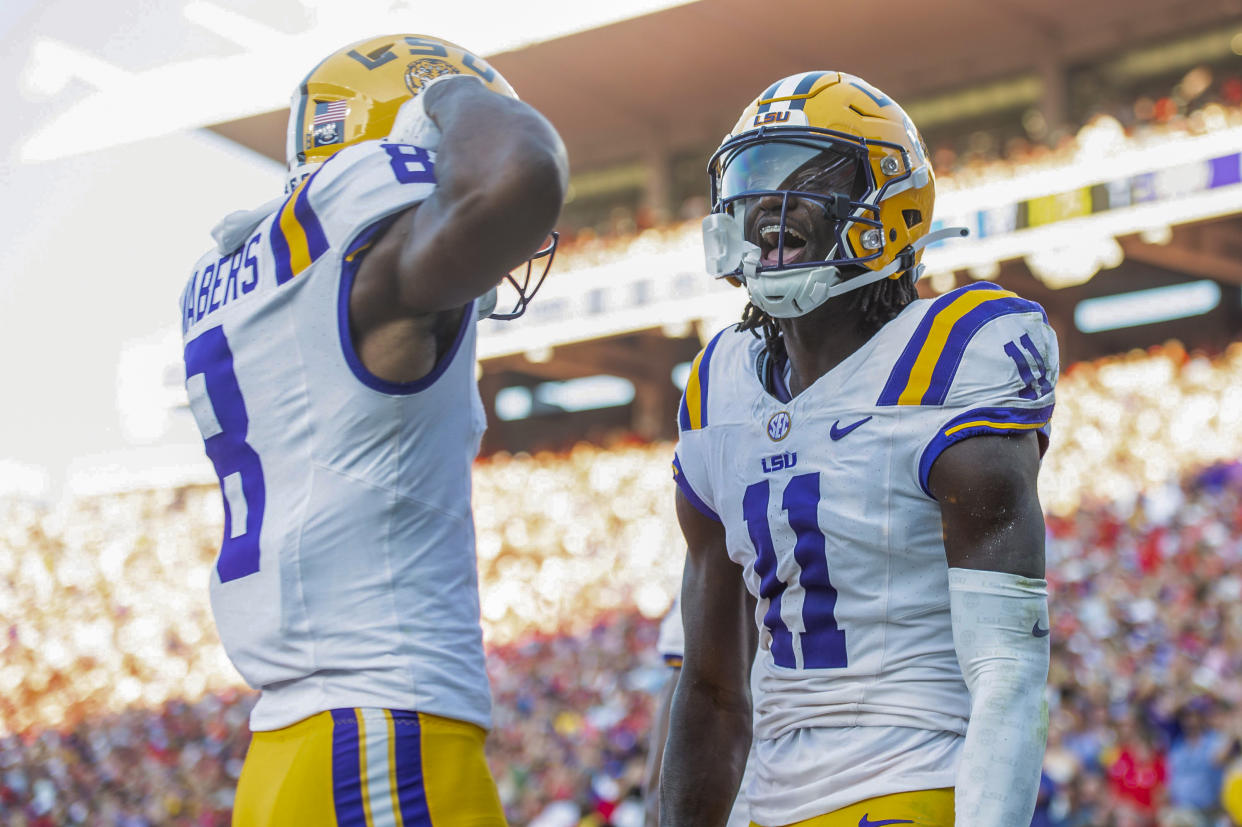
<point x="500" y="148"/>
<point x="705" y="756"/>
<point x="500" y="176"/>
<point x="1000" y="631"/>
<point x="655" y="750"/>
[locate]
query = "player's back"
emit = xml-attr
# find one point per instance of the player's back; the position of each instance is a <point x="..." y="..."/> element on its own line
<point x="346" y="576"/>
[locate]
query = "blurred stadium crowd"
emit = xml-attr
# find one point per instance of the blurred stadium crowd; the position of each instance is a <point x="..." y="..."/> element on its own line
<point x="117" y="706"/>
<point x="1201" y="103"/>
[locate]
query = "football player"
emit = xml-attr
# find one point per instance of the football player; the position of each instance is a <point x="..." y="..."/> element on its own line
<point x="863" y="462"/>
<point x="329" y="355"/>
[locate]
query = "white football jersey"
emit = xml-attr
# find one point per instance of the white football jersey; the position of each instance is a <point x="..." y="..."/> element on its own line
<point x="825" y="506"/>
<point x="346" y="576"/>
<point x="671" y="641"/>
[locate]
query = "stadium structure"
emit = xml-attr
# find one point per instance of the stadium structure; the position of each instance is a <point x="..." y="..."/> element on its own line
<point x="1094" y="149"/>
<point x="1085" y="146"/>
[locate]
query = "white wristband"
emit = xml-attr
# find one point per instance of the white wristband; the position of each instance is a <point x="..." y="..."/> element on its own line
<point x="413" y="125"/>
<point x="1000" y="631"/>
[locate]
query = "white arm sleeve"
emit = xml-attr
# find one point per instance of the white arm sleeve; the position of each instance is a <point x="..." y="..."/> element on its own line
<point x="1000" y="631"/>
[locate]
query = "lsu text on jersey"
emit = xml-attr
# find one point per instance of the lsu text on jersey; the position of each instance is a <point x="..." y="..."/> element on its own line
<point x="825" y="505"/>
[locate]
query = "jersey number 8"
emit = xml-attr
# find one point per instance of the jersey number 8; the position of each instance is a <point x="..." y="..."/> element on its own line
<point x="216" y="400"/>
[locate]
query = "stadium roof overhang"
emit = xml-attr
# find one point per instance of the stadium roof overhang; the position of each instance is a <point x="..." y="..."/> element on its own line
<point x="679" y="77"/>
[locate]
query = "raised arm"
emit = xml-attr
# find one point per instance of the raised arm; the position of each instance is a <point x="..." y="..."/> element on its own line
<point x="710" y="723"/>
<point x="994" y="541"/>
<point x="501" y="173"/>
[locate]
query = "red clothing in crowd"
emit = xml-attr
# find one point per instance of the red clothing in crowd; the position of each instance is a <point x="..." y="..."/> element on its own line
<point x="1138" y="776"/>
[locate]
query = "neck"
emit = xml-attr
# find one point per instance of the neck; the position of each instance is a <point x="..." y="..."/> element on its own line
<point x="821" y="340"/>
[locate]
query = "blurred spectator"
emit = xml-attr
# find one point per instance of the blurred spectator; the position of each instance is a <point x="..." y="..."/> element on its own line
<point x="1197" y="759"/>
<point x="1137" y="774"/>
<point x="117" y="706"/>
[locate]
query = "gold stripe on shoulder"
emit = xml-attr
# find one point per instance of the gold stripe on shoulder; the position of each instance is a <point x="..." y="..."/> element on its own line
<point x="937" y="336"/>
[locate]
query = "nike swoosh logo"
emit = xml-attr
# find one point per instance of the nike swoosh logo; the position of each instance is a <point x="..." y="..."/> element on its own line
<point x="866" y="822"/>
<point x="1038" y="632"/>
<point x="841" y="433"/>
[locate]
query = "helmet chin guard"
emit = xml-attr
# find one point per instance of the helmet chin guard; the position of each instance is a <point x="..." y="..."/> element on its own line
<point x="726" y="248"/>
<point x="790" y="292"/>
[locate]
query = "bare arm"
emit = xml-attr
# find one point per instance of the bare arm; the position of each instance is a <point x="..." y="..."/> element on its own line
<point x="989" y="505"/>
<point x="710" y="723"/>
<point x="501" y="175"/>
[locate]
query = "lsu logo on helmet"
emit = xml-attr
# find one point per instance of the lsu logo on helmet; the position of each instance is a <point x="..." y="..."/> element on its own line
<point x="421" y="72"/>
<point x="828" y="138"/>
<point x="353" y="94"/>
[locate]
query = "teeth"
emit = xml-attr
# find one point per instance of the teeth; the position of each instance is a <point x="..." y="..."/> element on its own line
<point x="775" y="229"/>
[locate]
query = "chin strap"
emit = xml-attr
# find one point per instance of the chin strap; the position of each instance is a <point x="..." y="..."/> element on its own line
<point x="904" y="262"/>
<point x="727" y="251"/>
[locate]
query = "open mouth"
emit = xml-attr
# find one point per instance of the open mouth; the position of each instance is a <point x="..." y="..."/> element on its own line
<point x="780" y="246"/>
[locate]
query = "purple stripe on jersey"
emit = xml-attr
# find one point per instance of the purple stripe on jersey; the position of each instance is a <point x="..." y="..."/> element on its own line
<point x="959" y="337"/>
<point x="991" y="421"/>
<point x="408" y="753"/>
<point x="900" y="377"/>
<point x="316" y="241"/>
<point x="281" y="253"/>
<point x="704" y="374"/>
<point x="346" y="771"/>
<point x="349" y="269"/>
<point x="688" y="492"/>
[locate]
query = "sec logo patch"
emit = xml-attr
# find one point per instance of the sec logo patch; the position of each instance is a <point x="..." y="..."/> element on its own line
<point x="778" y="426"/>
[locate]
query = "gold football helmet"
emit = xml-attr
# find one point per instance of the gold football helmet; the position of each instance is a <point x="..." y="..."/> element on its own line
<point x="354" y="93"/>
<point x="830" y="139"/>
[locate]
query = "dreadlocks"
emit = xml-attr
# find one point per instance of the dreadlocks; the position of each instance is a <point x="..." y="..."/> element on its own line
<point x="874" y="306"/>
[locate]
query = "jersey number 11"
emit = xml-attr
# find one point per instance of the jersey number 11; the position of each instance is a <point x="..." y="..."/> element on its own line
<point x="822" y="642"/>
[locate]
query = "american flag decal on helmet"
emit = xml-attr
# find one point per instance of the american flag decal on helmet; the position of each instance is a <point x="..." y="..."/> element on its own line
<point x="328" y="125"/>
<point x="329" y="111"/>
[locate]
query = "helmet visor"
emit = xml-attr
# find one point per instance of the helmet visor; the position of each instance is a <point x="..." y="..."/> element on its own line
<point x="819" y="170"/>
<point x="814" y="168"/>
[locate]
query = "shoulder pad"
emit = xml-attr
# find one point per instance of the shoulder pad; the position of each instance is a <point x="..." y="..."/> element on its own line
<point x="692" y="413"/>
<point x="927" y="366"/>
<point x="348" y="193"/>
